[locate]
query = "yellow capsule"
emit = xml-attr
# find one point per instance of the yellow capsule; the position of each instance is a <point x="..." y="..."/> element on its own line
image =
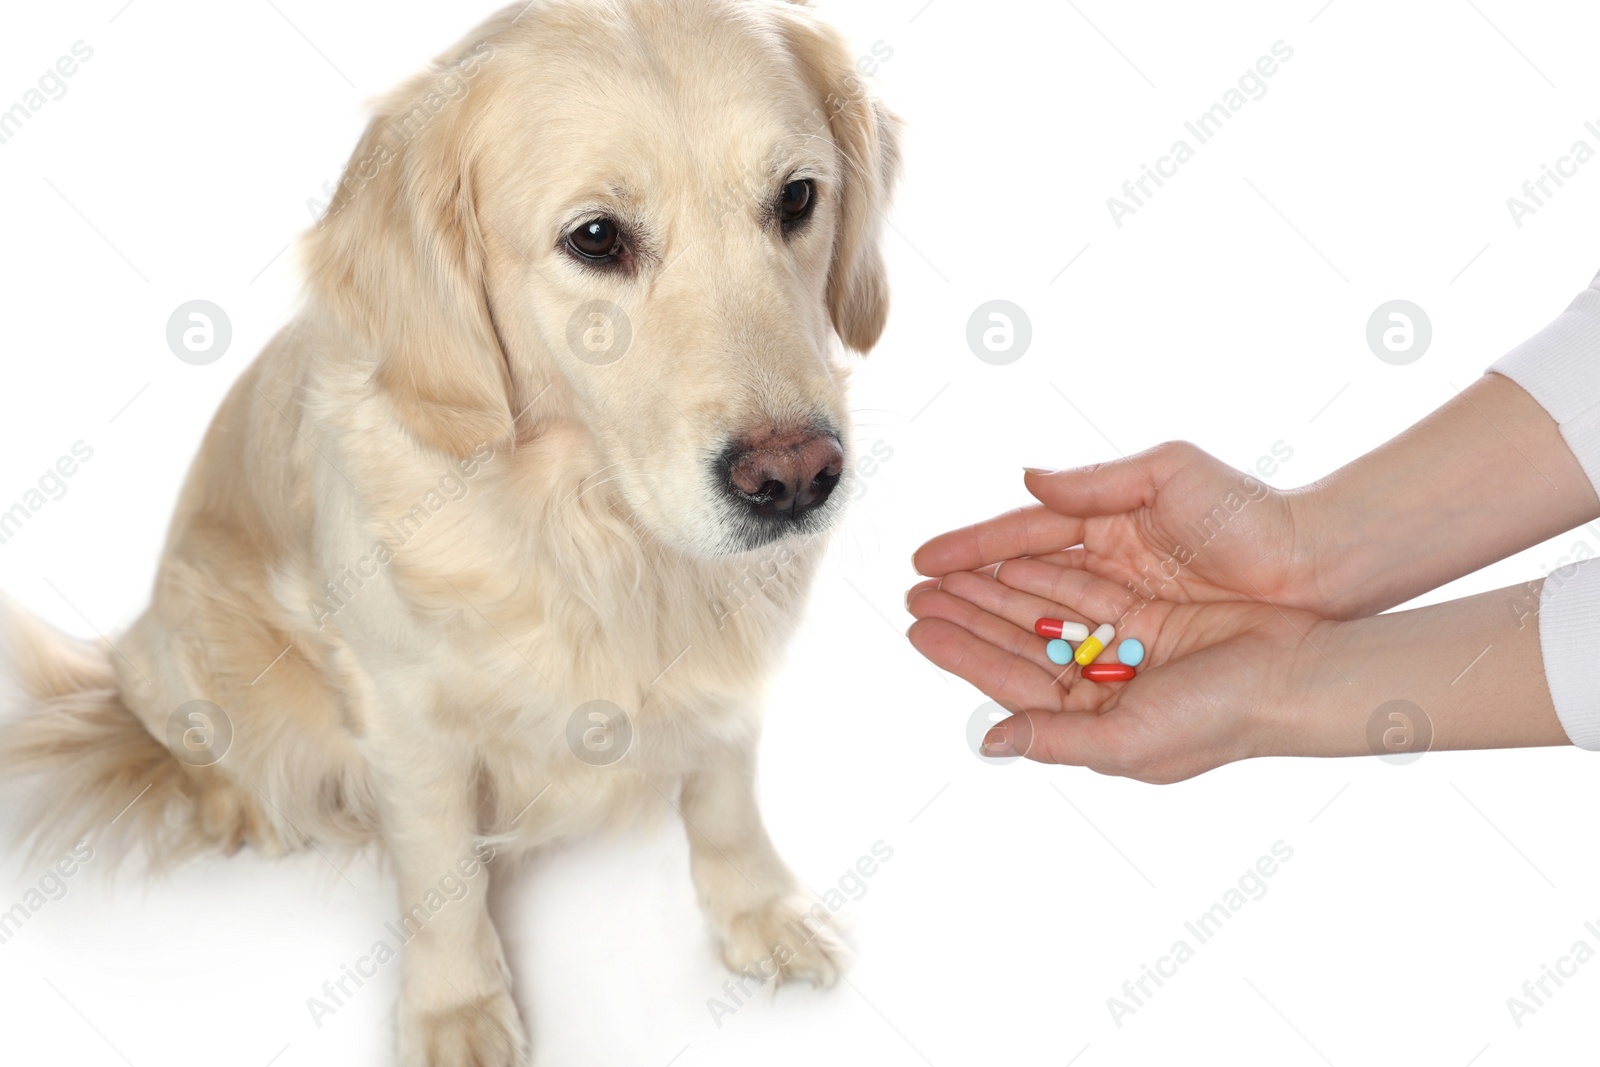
<point x="1094" y="644"/>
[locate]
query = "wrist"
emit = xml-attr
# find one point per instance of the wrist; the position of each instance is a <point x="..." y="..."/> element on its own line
<point x="1458" y="675"/>
<point x="1331" y="555"/>
<point x="1360" y="550"/>
<point x="1440" y="500"/>
<point x="1315" y="708"/>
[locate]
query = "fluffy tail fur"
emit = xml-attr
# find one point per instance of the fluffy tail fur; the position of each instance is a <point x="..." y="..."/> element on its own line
<point x="86" y="765"/>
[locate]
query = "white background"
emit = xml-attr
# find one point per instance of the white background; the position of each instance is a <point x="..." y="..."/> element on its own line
<point x="1230" y="310"/>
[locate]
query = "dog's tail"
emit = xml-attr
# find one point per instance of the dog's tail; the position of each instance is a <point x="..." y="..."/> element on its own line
<point x="89" y="767"/>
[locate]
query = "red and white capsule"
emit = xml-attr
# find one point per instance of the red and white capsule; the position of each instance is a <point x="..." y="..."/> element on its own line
<point x="1066" y="631"/>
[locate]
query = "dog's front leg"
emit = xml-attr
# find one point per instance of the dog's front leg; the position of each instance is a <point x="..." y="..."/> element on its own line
<point x="455" y="1001"/>
<point x="768" y="924"/>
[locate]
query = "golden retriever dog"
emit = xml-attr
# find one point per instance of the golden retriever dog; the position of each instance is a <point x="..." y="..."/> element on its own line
<point x="451" y="570"/>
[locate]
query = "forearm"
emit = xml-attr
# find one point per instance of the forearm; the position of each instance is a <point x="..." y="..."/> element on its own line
<point x="1473" y="667"/>
<point x="1485" y="476"/>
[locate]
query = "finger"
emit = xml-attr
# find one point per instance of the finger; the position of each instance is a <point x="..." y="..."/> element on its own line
<point x="1021" y="609"/>
<point x="987" y="574"/>
<point x="1024" y="532"/>
<point x="1006" y="678"/>
<point x="1074" y="738"/>
<point x="1076" y="556"/>
<point x="1110" y="488"/>
<point x="1094" y="598"/>
<point x="921" y="587"/>
<point x="1003" y="635"/>
<point x="1071" y="693"/>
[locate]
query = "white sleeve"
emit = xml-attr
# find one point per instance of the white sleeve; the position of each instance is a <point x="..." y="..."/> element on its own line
<point x="1569" y="637"/>
<point x="1560" y="368"/>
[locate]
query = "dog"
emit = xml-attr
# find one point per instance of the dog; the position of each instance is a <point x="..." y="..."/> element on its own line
<point x="450" y="570"/>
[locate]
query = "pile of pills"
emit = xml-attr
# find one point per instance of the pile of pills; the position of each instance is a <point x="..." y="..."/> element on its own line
<point x="1130" y="653"/>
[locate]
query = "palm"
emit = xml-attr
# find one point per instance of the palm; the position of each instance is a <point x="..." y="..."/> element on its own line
<point x="1210" y="669"/>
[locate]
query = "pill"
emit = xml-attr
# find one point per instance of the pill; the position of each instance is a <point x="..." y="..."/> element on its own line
<point x="1059" y="651"/>
<point x="1067" y="631"/>
<point x="1094" y="644"/>
<point x="1108" y="672"/>
<point x="1131" y="652"/>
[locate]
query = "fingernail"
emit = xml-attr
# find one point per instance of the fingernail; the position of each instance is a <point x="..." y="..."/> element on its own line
<point x="921" y="587"/>
<point x="996" y="743"/>
<point x="1038" y="470"/>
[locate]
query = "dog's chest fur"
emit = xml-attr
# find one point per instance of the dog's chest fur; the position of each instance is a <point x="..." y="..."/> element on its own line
<point x="518" y="601"/>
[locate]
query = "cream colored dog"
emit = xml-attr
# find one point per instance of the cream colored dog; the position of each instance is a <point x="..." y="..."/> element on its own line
<point x="453" y="563"/>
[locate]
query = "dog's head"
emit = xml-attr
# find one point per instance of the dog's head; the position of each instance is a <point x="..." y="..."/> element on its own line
<point x="660" y="213"/>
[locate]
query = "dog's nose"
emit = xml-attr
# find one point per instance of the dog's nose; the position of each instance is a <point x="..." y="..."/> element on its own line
<point x="785" y="475"/>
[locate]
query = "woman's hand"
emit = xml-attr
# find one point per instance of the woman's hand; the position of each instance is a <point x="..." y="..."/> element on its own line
<point x="1212" y="689"/>
<point x="1228" y="680"/>
<point x="1486" y="475"/>
<point x="1172" y="523"/>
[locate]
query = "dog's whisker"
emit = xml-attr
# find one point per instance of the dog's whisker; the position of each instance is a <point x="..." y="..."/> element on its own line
<point x="578" y="486"/>
<point x="590" y="484"/>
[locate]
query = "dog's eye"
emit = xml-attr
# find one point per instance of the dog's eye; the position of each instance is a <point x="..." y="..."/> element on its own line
<point x="794" y="206"/>
<point x="597" y="239"/>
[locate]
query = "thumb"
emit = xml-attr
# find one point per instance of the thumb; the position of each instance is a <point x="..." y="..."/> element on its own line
<point x="1114" y="487"/>
<point x="1066" y="737"/>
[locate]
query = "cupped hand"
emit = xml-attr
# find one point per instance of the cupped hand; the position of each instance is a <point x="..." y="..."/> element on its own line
<point x="1172" y="523"/>
<point x="1215" y="686"/>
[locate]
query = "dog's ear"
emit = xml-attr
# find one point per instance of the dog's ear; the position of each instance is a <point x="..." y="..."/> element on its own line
<point x="868" y="138"/>
<point x="399" y="256"/>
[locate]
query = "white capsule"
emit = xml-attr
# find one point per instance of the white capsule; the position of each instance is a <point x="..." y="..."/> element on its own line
<point x="1094" y="644"/>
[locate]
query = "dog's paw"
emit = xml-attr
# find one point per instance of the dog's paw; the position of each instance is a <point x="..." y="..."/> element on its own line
<point x="230" y="816"/>
<point x="478" y="1033"/>
<point x="791" y="938"/>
